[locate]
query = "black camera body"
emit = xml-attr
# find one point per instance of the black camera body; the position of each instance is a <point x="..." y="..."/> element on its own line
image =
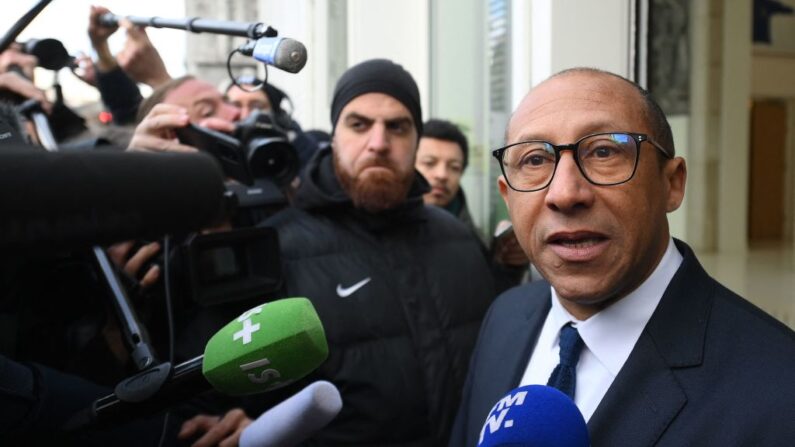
<point x="259" y="148"/>
<point x="240" y="263"/>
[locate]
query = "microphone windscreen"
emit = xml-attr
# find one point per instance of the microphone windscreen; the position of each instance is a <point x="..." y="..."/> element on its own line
<point x="296" y="419"/>
<point x="55" y="200"/>
<point x="267" y="347"/>
<point x="281" y="52"/>
<point x="534" y="416"/>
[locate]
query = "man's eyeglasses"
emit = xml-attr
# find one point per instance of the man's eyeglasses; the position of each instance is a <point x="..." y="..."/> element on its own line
<point x="604" y="159"/>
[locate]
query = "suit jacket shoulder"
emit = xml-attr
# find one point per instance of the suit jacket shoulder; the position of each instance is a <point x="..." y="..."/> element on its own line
<point x="709" y="369"/>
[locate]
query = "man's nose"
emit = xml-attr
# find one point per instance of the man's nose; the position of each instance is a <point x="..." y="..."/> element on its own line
<point x="378" y="140"/>
<point x="245" y="111"/>
<point x="229" y="112"/>
<point x="569" y="189"/>
<point x="440" y="172"/>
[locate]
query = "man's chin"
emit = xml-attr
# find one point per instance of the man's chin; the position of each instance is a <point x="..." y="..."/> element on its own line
<point x="432" y="199"/>
<point x="582" y="296"/>
<point x="379" y="190"/>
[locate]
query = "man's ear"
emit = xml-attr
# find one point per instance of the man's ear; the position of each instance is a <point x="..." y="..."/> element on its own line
<point x="675" y="177"/>
<point x="502" y="185"/>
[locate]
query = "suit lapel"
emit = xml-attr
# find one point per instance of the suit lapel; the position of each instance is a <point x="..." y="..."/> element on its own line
<point x="528" y="326"/>
<point x="646" y="397"/>
<point x="641" y="403"/>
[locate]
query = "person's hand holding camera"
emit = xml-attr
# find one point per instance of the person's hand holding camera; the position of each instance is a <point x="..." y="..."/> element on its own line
<point x="155" y="132"/>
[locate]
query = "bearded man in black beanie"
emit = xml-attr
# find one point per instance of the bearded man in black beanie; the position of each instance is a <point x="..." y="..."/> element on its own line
<point x="399" y="287"/>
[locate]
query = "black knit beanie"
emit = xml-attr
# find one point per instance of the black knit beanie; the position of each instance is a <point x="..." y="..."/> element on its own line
<point x="377" y="76"/>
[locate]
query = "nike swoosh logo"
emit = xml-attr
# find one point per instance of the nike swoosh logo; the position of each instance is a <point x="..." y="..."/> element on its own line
<point x="345" y="292"/>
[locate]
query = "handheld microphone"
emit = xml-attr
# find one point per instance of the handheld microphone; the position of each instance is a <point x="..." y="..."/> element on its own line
<point x="51" y="53"/>
<point x="267" y="347"/>
<point x="281" y="52"/>
<point x="534" y="416"/>
<point x="296" y="419"/>
<point x="74" y="200"/>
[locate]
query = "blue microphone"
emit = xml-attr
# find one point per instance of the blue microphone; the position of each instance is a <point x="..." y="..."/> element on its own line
<point x="281" y="52"/>
<point x="534" y="416"/>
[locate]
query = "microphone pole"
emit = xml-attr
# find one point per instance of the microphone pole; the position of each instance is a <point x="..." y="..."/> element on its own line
<point x="252" y="30"/>
<point x="10" y="35"/>
<point x="32" y="109"/>
<point x="140" y="349"/>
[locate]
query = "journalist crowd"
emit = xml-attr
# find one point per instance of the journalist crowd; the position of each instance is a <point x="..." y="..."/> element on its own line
<point x="350" y="259"/>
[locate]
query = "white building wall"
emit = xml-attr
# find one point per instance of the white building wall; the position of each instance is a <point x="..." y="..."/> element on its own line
<point x="392" y="29"/>
<point x="590" y="33"/>
<point x="458" y="89"/>
<point x="305" y="21"/>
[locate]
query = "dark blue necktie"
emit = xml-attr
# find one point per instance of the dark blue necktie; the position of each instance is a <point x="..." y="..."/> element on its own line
<point x="564" y="376"/>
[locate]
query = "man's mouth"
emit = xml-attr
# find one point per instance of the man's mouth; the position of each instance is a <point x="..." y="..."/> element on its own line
<point x="584" y="242"/>
<point x="577" y="245"/>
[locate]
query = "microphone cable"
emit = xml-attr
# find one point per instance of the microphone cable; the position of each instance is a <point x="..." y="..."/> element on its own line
<point x="233" y="78"/>
<point x="169" y="322"/>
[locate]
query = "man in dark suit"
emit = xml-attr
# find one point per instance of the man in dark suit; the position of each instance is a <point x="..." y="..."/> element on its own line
<point x="651" y="349"/>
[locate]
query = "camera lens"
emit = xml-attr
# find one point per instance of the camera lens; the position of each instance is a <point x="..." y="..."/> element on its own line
<point x="273" y="158"/>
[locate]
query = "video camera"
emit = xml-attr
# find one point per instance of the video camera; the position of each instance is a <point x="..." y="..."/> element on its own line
<point x="241" y="263"/>
<point x="258" y="148"/>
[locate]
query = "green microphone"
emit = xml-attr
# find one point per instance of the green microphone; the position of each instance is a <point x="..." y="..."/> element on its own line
<point x="267" y="347"/>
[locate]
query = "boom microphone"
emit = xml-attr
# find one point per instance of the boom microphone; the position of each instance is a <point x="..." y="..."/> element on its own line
<point x="296" y="419"/>
<point x="195" y="25"/>
<point x="73" y="200"/>
<point x="281" y="52"/>
<point x="267" y="347"/>
<point x="534" y="416"/>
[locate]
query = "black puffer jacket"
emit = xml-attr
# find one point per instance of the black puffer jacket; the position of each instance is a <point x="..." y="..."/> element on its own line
<point x="400" y="294"/>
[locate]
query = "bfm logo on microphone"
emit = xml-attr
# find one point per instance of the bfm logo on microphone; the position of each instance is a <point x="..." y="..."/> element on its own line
<point x="497" y="415"/>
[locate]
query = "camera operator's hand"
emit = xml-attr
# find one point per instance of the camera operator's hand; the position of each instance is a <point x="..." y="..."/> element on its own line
<point x="132" y="263"/>
<point x="224" y="432"/>
<point x="156" y="131"/>
<point x="99" y="34"/>
<point x="12" y="57"/>
<point x="219" y="124"/>
<point x="140" y="59"/>
<point x="14" y="82"/>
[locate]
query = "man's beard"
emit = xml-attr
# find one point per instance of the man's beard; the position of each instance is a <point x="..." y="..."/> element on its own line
<point x="375" y="190"/>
